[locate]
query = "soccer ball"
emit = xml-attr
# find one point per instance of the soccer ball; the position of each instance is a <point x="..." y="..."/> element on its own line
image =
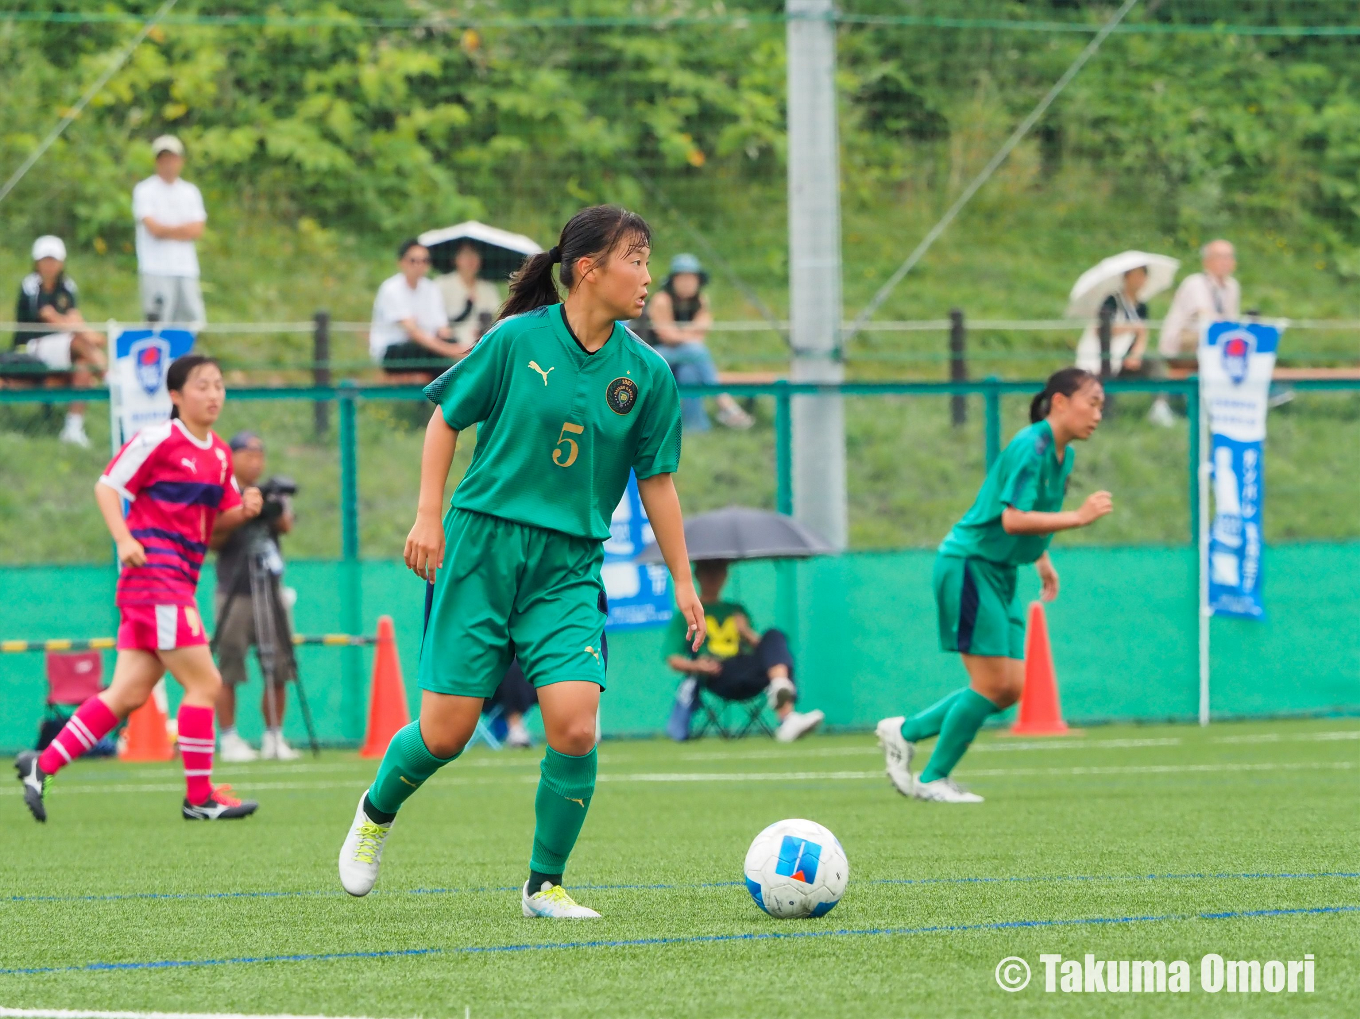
<point x="796" y="868"/>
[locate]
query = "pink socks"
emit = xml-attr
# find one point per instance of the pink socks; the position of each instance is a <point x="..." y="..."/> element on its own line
<point x="196" y="748"/>
<point x="92" y="722"/>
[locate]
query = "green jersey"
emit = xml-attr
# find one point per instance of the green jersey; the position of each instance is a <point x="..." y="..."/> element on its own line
<point x="722" y="640"/>
<point x="1026" y="476"/>
<point x="558" y="429"/>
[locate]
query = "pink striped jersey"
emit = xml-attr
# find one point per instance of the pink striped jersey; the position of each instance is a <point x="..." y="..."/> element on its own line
<point x="177" y="485"/>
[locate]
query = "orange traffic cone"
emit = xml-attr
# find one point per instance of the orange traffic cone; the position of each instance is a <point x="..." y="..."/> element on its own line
<point x="387" y="711"/>
<point x="1040" y="712"/>
<point x="145" y="738"/>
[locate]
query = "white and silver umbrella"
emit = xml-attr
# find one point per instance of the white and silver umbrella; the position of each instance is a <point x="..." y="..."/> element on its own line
<point x="1107" y="277"/>
<point x="502" y="251"/>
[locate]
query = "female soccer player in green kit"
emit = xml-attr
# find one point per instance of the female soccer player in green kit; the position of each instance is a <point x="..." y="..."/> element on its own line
<point x="567" y="402"/>
<point x="1012" y="521"/>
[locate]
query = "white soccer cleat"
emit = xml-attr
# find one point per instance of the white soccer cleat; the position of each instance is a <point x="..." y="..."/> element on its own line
<point x="945" y="790"/>
<point x="361" y="855"/>
<point x="797" y="724"/>
<point x="553" y="901"/>
<point x="232" y="749"/>
<point x="273" y="747"/>
<point x="897" y="754"/>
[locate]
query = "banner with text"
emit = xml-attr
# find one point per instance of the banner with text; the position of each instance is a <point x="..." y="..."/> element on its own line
<point x="639" y="595"/>
<point x="1236" y="362"/>
<point x="141" y="359"/>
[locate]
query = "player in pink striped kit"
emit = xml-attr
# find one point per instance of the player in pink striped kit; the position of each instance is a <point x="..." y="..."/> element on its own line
<point x="177" y="478"/>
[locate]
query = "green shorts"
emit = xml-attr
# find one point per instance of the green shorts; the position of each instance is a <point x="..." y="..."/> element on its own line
<point x="975" y="599"/>
<point x="509" y="590"/>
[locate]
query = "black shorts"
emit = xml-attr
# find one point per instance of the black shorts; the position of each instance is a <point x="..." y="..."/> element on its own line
<point x="410" y="356"/>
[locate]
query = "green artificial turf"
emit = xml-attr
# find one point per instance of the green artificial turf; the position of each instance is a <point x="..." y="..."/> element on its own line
<point x="1169" y="824"/>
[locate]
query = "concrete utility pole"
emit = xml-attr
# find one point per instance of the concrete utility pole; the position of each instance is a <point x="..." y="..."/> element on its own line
<point x="815" y="268"/>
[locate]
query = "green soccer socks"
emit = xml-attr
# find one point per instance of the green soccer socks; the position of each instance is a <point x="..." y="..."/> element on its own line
<point x="565" y="787"/>
<point x="404" y="769"/>
<point x="928" y="722"/>
<point x="968" y="710"/>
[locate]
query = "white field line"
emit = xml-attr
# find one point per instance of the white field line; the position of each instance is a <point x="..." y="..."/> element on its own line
<point x="71" y="1013"/>
<point x="760" y="776"/>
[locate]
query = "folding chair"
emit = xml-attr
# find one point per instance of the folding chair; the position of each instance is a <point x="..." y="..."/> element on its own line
<point x="713" y="711"/>
<point x="485" y="730"/>
<point x="72" y="679"/>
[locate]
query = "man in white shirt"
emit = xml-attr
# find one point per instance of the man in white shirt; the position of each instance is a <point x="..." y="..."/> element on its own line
<point x="170" y="216"/>
<point x="410" y="334"/>
<point x="1203" y="297"/>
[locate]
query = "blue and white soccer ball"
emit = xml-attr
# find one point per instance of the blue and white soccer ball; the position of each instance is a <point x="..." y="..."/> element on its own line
<point x="796" y="868"/>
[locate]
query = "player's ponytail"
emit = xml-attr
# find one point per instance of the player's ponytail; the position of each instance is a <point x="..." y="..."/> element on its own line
<point x="179" y="371"/>
<point x="591" y="233"/>
<point x="1066" y="381"/>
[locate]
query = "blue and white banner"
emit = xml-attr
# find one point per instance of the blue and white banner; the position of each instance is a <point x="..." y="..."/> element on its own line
<point x="141" y="359"/>
<point x="638" y="595"/>
<point x="1236" y="362"/>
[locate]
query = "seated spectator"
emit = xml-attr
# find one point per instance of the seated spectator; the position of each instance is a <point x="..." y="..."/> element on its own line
<point x="1128" y="330"/>
<point x="47" y="298"/>
<point x="410" y="335"/>
<point x="680" y="320"/>
<point x="471" y="303"/>
<point x="734" y="662"/>
<point x="515" y="696"/>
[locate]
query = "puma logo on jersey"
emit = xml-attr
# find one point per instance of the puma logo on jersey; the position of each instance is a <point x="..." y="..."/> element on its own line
<point x="184" y="461"/>
<point x="535" y="367"/>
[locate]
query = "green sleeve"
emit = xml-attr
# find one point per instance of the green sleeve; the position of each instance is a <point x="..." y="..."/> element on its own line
<point x="675" y="643"/>
<point x="658" y="450"/>
<point x="1019" y="486"/>
<point x="468" y="391"/>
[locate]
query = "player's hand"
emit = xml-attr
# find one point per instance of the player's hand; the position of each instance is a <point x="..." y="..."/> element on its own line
<point x="1132" y="363"/>
<point x="689" y="606"/>
<point x="425" y="547"/>
<point x="708" y="666"/>
<point x="252" y="502"/>
<point x="131" y="553"/>
<point x="1097" y="505"/>
<point x="1048" y="579"/>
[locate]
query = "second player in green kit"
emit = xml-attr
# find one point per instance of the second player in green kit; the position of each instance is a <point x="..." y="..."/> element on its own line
<point x="1011" y="523"/>
<point x="566" y="403"/>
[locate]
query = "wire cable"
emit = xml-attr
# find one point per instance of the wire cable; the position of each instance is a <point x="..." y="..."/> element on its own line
<point x="987" y="171"/>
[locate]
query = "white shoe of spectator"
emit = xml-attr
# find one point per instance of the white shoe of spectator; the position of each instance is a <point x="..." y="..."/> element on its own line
<point x="74" y="432"/>
<point x="1160" y="414"/>
<point x="232" y="749"/>
<point x="781" y="691"/>
<point x="275" y="748"/>
<point x="518" y="736"/>
<point x="798" y="724"/>
<point x="733" y="416"/>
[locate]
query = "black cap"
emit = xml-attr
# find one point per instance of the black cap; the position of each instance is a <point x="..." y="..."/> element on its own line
<point x="244" y="440"/>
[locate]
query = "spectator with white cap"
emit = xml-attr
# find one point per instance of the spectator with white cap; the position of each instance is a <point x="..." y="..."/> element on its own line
<point x="170" y="216"/>
<point x="47" y="299"/>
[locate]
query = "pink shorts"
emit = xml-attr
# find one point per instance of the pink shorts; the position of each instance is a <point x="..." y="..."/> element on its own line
<point x="160" y="628"/>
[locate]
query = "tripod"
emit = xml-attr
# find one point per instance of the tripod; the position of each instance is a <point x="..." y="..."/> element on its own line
<point x="271" y="652"/>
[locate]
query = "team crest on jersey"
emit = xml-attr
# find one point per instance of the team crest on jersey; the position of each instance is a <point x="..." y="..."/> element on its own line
<point x="621" y="395"/>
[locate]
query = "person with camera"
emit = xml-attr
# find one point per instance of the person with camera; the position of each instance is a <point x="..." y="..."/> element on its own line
<point x="250" y="608"/>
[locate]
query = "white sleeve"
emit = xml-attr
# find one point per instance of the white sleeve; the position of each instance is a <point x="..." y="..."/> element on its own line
<point x="122" y="472"/>
<point x="1168" y="343"/>
<point x="196" y="212"/>
<point x="437" y="308"/>
<point x="389" y="308"/>
<point x="141" y="202"/>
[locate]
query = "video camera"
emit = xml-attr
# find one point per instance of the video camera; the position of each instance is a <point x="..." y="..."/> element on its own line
<point x="274" y="491"/>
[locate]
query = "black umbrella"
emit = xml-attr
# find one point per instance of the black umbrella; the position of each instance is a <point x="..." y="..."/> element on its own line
<point x="741" y="533"/>
<point x="502" y="251"/>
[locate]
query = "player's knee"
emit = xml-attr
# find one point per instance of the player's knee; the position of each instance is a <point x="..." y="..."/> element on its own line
<point x="575" y="738"/>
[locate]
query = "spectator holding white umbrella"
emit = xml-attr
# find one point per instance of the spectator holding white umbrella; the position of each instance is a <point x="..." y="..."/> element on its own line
<point x="1119" y="288"/>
